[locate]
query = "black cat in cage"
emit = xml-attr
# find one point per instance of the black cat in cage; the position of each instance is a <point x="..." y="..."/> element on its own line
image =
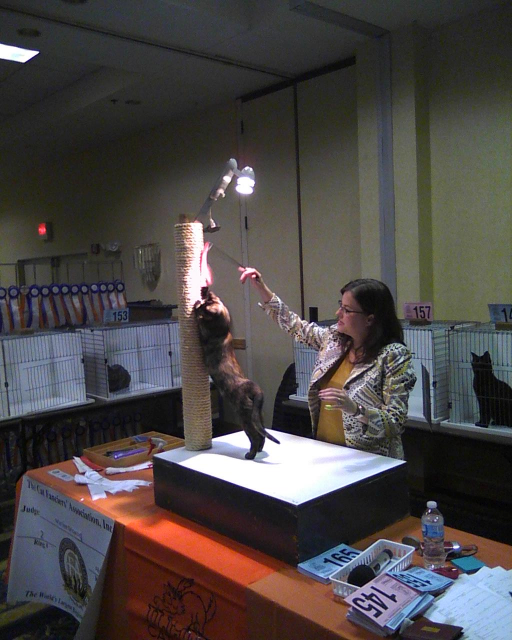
<point x="494" y="396"/>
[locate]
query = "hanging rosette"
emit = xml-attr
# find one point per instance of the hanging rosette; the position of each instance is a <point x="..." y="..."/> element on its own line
<point x="61" y="311"/>
<point x="49" y="314"/>
<point x="76" y="309"/>
<point x="25" y="307"/>
<point x="105" y="302"/>
<point x="13" y="293"/>
<point x="6" y="325"/>
<point x="121" y="294"/>
<point x="65" y="295"/>
<point x="112" y="295"/>
<point x="97" y="306"/>
<point x="34" y="299"/>
<point x="87" y="304"/>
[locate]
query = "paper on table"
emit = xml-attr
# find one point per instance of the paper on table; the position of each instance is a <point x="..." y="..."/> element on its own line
<point x="484" y="614"/>
<point x="498" y="580"/>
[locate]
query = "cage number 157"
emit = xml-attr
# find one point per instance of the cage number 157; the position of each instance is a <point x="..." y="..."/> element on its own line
<point x="418" y="311"/>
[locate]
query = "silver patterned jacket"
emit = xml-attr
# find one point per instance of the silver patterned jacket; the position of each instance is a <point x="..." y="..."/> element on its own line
<point x="382" y="386"/>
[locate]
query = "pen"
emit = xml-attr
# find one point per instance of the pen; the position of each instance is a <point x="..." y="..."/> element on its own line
<point x="123" y="453"/>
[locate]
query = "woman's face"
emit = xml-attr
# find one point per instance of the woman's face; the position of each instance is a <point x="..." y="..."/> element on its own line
<point x="352" y="320"/>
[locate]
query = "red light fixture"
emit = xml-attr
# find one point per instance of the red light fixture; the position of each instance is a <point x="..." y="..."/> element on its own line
<point x="44" y="231"/>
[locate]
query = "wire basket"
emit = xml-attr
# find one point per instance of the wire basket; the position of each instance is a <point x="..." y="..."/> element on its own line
<point x="494" y="409"/>
<point x="429" y="347"/>
<point x="40" y="372"/>
<point x="402" y="558"/>
<point x="148" y="352"/>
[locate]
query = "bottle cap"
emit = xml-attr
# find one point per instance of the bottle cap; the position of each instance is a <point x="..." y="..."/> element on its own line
<point x="432" y="504"/>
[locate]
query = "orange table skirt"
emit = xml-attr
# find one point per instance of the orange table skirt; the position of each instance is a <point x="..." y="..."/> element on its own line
<point x="185" y="581"/>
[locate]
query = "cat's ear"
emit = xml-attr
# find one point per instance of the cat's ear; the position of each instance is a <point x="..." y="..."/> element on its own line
<point x="473" y="356"/>
<point x="487" y="356"/>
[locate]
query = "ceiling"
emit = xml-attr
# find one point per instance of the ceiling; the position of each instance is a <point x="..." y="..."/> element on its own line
<point x="111" y="68"/>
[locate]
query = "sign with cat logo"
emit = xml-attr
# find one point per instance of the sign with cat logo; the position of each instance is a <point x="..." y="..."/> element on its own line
<point x="419" y="311"/>
<point x="500" y="313"/>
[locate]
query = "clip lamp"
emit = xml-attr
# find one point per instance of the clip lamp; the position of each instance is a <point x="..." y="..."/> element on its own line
<point x="245" y="186"/>
<point x="246" y="181"/>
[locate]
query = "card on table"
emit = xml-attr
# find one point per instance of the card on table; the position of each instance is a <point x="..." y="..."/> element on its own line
<point x="469" y="564"/>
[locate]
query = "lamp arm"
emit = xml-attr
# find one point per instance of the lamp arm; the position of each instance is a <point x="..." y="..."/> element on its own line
<point x="219" y="188"/>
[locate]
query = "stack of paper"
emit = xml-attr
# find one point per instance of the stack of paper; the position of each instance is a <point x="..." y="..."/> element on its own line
<point x="424" y="580"/>
<point x="481" y="603"/>
<point x="322" y="566"/>
<point x="384" y="603"/>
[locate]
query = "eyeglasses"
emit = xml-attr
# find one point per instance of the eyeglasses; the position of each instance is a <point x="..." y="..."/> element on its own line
<point x="348" y="311"/>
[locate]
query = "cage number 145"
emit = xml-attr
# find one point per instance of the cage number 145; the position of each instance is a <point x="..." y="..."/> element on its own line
<point x="500" y="312"/>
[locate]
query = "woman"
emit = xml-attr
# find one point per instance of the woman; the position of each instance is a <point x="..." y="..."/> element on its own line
<point x="363" y="375"/>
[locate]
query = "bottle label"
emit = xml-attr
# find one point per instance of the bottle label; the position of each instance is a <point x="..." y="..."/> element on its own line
<point x="432" y="530"/>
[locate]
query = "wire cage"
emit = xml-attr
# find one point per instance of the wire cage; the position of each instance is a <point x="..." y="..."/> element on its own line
<point x="40" y="372"/>
<point x="305" y="359"/>
<point x="132" y="359"/>
<point x="430" y="350"/>
<point x="481" y="363"/>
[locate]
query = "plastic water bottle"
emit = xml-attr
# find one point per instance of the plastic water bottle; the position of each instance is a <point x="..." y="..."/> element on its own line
<point x="432" y="528"/>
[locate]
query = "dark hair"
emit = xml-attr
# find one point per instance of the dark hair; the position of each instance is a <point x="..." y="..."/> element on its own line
<point x="375" y="298"/>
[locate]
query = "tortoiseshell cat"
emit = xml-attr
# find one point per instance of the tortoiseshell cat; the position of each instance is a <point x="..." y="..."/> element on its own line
<point x="494" y="396"/>
<point x="246" y="397"/>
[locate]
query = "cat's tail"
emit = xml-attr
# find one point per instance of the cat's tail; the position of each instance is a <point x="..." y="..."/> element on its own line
<point x="270" y="437"/>
<point x="257" y="408"/>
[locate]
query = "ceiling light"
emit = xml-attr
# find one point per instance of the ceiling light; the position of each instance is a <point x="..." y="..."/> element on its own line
<point x="16" y="54"/>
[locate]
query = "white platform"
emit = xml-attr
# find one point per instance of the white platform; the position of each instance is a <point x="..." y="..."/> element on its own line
<point x="295" y="500"/>
<point x="295" y="471"/>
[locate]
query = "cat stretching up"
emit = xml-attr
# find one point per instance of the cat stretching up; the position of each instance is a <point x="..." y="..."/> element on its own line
<point x="245" y="396"/>
<point x="494" y="396"/>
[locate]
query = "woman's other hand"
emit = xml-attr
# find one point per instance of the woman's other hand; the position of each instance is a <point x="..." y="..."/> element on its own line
<point x="338" y="399"/>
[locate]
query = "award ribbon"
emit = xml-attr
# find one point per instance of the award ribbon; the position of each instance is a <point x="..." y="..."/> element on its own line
<point x="59" y="305"/>
<point x="112" y="295"/>
<point x="14" y="305"/>
<point x="87" y="305"/>
<point x="6" y="325"/>
<point x="76" y="307"/>
<point x="34" y="294"/>
<point x="121" y="294"/>
<point x="25" y="307"/>
<point x="105" y="302"/>
<point x="50" y="320"/>
<point x="65" y="294"/>
<point x="97" y="306"/>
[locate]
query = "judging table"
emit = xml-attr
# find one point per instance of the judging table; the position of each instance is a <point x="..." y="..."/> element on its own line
<point x="166" y="573"/>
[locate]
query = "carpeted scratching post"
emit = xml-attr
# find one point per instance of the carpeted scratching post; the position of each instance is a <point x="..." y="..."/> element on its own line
<point x="197" y="412"/>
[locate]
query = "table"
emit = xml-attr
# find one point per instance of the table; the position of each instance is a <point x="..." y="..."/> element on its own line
<point x="165" y="572"/>
<point x="287" y="605"/>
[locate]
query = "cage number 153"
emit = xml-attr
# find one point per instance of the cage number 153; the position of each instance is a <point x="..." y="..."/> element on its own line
<point x="116" y="315"/>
